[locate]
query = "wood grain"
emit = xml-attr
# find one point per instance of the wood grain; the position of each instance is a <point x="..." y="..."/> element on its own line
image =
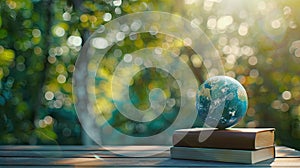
<point x="95" y="156"/>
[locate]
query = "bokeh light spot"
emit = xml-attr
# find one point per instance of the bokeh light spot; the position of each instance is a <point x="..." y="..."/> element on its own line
<point x="118" y="11"/>
<point x="61" y="78"/>
<point x="231" y="59"/>
<point x="66" y="16"/>
<point x="252" y="60"/>
<point x="59" y="31"/>
<point x="284" y="107"/>
<point x="36" y="33"/>
<point x="84" y="18"/>
<point x="107" y="17"/>
<point x="57" y="103"/>
<point x="254" y="73"/>
<point x="276" y="24"/>
<point x="243" y="29"/>
<point x="48" y="120"/>
<point x="51" y="59"/>
<point x="117" y="2"/>
<point x="276" y="104"/>
<point x="286" y="95"/>
<point x="127" y="58"/>
<point x="211" y="22"/>
<point x="74" y="41"/>
<point x="297" y="52"/>
<point x="287" y="10"/>
<point x="224" y="21"/>
<point x="99" y="43"/>
<point x="197" y="62"/>
<point x="49" y="95"/>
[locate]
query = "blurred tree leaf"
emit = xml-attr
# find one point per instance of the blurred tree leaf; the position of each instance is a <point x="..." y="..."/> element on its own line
<point x="6" y="57"/>
<point x="0" y="21"/>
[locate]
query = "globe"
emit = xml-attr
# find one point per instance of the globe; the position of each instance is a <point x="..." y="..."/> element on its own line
<point x="221" y="102"/>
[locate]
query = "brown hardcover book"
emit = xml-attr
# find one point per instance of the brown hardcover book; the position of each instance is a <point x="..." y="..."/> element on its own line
<point x="232" y="138"/>
<point x="223" y="155"/>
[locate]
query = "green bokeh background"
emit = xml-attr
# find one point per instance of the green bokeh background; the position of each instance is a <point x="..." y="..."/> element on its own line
<point x="258" y="41"/>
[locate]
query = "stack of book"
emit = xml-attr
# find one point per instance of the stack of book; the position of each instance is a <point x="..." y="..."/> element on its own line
<point x="238" y="145"/>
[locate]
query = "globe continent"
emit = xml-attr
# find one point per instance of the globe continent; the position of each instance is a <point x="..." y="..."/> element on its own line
<point x="221" y="102"/>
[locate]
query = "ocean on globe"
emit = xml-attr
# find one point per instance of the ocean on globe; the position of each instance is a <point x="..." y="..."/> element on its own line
<point x="221" y="102"/>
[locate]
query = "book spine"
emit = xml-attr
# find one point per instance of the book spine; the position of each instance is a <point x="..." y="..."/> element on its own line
<point x="221" y="140"/>
<point x="223" y="155"/>
<point x="211" y="155"/>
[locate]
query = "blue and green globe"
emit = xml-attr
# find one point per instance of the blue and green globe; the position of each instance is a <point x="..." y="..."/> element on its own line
<point x="221" y="102"/>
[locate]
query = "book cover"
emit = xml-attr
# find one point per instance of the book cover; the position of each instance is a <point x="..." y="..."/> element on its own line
<point x="232" y="138"/>
<point x="223" y="155"/>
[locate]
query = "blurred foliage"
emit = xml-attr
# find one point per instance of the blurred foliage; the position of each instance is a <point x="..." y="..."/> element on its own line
<point x="41" y="39"/>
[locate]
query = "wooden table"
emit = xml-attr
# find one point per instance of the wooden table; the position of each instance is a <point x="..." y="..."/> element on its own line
<point x="89" y="156"/>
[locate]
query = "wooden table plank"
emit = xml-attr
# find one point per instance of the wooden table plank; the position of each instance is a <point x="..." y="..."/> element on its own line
<point x="282" y="151"/>
<point x="90" y="151"/>
<point x="79" y="154"/>
<point x="81" y="148"/>
<point x="96" y="156"/>
<point x="138" y="162"/>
